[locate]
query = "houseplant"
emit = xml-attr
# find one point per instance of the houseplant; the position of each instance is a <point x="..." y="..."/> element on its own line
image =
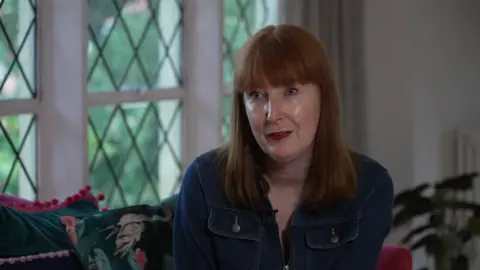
<point x="443" y="223"/>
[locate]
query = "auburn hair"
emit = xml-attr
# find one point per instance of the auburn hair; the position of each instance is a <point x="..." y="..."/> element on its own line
<point x="282" y="56"/>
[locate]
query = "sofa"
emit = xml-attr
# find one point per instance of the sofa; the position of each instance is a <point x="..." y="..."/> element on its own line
<point x="76" y="234"/>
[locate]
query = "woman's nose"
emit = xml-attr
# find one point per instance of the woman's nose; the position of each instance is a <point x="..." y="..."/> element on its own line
<point x="274" y="110"/>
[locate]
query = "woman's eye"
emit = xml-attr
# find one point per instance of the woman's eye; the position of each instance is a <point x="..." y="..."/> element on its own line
<point x="291" y="91"/>
<point x="256" y="95"/>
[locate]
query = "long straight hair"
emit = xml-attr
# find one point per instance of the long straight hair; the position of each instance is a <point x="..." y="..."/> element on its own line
<point x="282" y="56"/>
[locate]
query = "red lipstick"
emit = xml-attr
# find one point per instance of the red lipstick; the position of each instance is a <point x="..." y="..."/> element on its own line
<point x="278" y="136"/>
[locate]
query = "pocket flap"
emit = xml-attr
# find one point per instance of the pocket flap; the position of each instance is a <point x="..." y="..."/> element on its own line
<point x="332" y="234"/>
<point x="232" y="223"/>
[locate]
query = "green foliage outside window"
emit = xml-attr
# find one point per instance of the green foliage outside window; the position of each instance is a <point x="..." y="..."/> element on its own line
<point x="131" y="164"/>
<point x="10" y="126"/>
<point x="118" y="53"/>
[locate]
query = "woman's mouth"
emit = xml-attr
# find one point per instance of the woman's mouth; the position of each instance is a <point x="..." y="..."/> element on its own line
<point x="278" y="136"/>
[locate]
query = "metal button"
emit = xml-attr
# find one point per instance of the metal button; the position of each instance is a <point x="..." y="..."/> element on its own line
<point x="333" y="237"/>
<point x="236" y="227"/>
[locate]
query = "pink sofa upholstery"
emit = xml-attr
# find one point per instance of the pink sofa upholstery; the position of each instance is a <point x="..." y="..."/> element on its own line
<point x="395" y="258"/>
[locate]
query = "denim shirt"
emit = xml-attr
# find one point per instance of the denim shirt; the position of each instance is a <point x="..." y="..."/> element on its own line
<point x="209" y="234"/>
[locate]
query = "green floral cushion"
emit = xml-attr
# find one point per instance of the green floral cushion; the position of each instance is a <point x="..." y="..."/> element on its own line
<point x="130" y="238"/>
<point x="34" y="229"/>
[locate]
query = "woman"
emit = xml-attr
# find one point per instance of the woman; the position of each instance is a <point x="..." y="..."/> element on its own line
<point x="285" y="193"/>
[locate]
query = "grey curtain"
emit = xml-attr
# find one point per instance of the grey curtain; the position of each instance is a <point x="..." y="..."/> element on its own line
<point x="339" y="24"/>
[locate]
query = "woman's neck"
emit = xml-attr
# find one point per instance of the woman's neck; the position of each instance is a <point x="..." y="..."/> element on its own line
<point x="288" y="174"/>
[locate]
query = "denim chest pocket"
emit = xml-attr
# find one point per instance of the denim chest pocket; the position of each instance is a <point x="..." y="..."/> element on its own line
<point x="326" y="241"/>
<point x="332" y="234"/>
<point x="236" y="237"/>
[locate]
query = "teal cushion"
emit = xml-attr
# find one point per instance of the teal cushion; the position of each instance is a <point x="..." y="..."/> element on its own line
<point x="28" y="233"/>
<point x="130" y="238"/>
<point x="171" y="202"/>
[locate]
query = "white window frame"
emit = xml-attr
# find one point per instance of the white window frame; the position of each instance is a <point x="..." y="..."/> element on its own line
<point x="63" y="102"/>
<point x="62" y="118"/>
<point x="276" y="16"/>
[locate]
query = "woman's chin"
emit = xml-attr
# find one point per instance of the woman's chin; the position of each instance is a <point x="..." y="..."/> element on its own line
<point x="282" y="156"/>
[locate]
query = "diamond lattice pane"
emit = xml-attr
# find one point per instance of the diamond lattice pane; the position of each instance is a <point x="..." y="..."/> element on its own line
<point x="242" y="18"/>
<point x="135" y="151"/>
<point x="17" y="49"/>
<point x="18" y="156"/>
<point x="134" y="44"/>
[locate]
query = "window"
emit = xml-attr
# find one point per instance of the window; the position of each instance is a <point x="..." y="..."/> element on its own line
<point x="129" y="92"/>
<point x="18" y="94"/>
<point x="135" y="145"/>
<point x="241" y="20"/>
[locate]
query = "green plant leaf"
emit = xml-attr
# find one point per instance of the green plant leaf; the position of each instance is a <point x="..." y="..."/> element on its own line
<point x="461" y="182"/>
<point x="416" y="231"/>
<point x="431" y="243"/>
<point x="474" y="226"/>
<point x="460" y="263"/>
<point x="409" y="194"/>
<point x="452" y="204"/>
<point x="417" y="206"/>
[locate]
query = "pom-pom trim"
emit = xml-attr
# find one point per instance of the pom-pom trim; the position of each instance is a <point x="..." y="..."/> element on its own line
<point x="55" y="204"/>
<point x="29" y="258"/>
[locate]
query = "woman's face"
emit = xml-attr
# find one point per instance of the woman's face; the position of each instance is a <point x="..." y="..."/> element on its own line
<point x="284" y="120"/>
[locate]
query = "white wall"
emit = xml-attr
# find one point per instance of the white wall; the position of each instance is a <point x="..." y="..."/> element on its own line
<point x="423" y="81"/>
